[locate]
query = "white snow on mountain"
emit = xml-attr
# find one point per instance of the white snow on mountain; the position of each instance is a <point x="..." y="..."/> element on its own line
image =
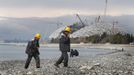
<point x="56" y="33"/>
<point x="89" y="30"/>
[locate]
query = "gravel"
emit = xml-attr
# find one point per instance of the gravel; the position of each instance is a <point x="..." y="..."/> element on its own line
<point x="116" y="63"/>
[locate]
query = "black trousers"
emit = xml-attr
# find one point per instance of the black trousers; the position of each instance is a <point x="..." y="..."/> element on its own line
<point x="37" y="59"/>
<point x="63" y="57"/>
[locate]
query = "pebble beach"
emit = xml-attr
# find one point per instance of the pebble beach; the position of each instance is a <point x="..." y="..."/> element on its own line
<point x="113" y="63"/>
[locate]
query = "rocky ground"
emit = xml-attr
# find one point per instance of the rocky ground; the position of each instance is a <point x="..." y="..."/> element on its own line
<point x="115" y="63"/>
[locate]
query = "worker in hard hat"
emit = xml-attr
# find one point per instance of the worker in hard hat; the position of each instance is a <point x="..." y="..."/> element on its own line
<point x="64" y="44"/>
<point x="32" y="50"/>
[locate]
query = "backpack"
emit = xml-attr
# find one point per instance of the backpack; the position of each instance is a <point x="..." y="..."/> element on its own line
<point x="30" y="49"/>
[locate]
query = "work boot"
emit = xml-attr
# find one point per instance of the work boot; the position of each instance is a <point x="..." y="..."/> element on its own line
<point x="66" y="66"/>
<point x="25" y="67"/>
<point x="38" y="67"/>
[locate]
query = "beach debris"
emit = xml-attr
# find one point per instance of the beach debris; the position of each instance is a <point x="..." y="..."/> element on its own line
<point x="29" y="73"/>
<point x="128" y="54"/>
<point x="85" y="67"/>
<point x="97" y="64"/>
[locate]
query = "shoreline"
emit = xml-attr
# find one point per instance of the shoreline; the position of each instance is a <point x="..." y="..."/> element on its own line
<point x="88" y="45"/>
<point x="95" y="46"/>
<point x="118" y="47"/>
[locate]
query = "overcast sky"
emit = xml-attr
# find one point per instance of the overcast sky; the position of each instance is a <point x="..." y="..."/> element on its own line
<point x="54" y="8"/>
<point x="122" y="9"/>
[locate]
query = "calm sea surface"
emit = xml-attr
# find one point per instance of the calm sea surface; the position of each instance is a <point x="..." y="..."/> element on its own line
<point x="11" y="52"/>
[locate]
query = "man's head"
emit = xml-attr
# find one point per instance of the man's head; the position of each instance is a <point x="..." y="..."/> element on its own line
<point x="37" y="36"/>
<point x="67" y="31"/>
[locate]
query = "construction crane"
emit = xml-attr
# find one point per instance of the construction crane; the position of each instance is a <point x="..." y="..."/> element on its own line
<point x="80" y="20"/>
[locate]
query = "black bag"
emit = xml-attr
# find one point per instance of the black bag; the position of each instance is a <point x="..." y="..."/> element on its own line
<point x="28" y="50"/>
<point x="31" y="47"/>
<point x="76" y="53"/>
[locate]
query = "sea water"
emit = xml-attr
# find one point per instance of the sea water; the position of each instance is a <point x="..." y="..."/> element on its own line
<point x="13" y="52"/>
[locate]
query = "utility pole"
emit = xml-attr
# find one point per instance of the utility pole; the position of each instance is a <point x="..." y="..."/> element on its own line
<point x="105" y="11"/>
<point x="114" y="29"/>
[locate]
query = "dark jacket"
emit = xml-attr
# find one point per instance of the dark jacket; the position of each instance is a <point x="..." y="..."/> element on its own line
<point x="64" y="43"/>
<point x="32" y="47"/>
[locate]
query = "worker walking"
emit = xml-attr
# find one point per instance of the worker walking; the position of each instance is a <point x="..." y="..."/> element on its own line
<point x="32" y="50"/>
<point x="64" y="44"/>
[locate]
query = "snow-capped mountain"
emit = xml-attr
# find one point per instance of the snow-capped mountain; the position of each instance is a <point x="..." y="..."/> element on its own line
<point x="88" y="30"/>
